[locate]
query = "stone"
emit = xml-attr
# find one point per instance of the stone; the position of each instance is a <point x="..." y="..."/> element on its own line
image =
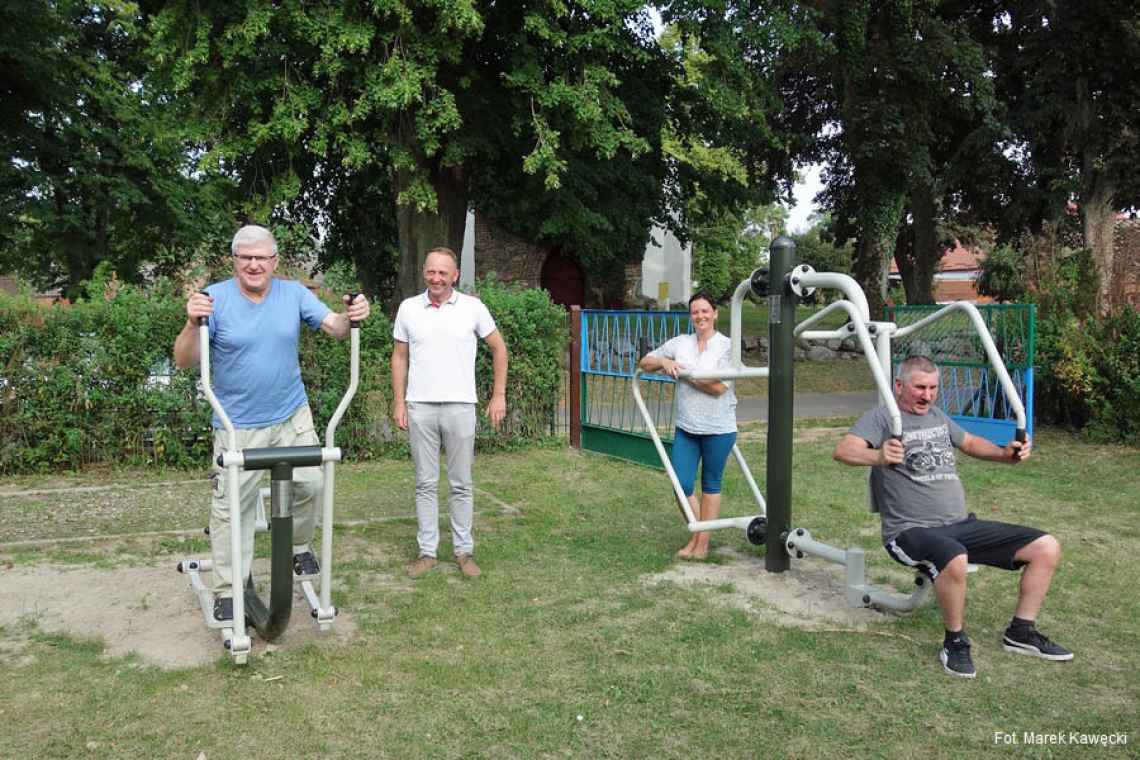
<point x="820" y="354"/>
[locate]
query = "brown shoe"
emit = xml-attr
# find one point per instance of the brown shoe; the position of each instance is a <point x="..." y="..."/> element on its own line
<point x="467" y="565"/>
<point x="422" y="565"/>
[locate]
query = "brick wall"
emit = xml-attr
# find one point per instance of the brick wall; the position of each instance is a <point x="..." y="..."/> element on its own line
<point x="1126" y="261"/>
<point x="511" y="258"/>
<point x="958" y="290"/>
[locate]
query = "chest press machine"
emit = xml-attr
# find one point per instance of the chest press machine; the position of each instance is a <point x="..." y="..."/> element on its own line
<point x="271" y="621"/>
<point x="790" y="284"/>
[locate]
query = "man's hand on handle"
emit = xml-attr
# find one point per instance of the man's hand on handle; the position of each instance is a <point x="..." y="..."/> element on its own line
<point x="1018" y="451"/>
<point x="892" y="452"/>
<point x="199" y="305"/>
<point x="359" y="309"/>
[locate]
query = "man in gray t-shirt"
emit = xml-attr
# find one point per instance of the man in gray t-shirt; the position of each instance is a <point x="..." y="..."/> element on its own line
<point x="924" y="491"/>
<point x="915" y="486"/>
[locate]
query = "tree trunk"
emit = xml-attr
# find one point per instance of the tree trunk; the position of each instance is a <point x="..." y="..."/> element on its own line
<point x="878" y="225"/>
<point x="422" y="230"/>
<point x="926" y="255"/>
<point x="1099" y="219"/>
<point x="871" y="269"/>
<point x="904" y="257"/>
<point x="1096" y="203"/>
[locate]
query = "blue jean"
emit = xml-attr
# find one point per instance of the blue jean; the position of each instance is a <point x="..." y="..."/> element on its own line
<point x="711" y="450"/>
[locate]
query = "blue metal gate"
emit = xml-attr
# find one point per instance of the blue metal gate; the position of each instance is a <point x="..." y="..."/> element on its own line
<point x="612" y="344"/>
<point x="969" y="391"/>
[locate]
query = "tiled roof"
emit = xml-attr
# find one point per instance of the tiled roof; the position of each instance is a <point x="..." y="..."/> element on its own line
<point x="957" y="259"/>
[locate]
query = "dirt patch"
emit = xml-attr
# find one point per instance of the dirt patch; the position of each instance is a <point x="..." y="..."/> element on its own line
<point x="13" y="650"/>
<point x="150" y="611"/>
<point x="810" y="595"/>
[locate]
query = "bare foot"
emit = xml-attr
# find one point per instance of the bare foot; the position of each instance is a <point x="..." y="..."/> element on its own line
<point x="686" y="551"/>
<point x="700" y="547"/>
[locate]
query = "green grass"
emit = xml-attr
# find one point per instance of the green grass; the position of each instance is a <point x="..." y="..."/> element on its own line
<point x="563" y="624"/>
<point x="754" y="318"/>
<point x="840" y="376"/>
<point x="844" y="376"/>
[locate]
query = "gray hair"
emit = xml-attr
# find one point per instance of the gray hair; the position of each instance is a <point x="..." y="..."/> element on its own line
<point x="913" y="364"/>
<point x="446" y="252"/>
<point x="252" y="235"/>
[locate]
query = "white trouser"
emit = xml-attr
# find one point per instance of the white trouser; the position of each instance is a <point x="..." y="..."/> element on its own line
<point x="452" y="426"/>
<point x="295" y="431"/>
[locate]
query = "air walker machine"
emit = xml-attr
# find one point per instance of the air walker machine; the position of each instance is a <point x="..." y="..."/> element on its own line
<point x="270" y="622"/>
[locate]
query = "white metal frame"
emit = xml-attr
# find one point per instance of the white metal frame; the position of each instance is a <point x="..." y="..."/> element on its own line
<point x="738" y="371"/>
<point x="874" y="339"/>
<point x="233" y="633"/>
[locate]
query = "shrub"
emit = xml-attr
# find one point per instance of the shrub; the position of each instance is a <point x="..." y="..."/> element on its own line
<point x="535" y="331"/>
<point x="1115" y="354"/>
<point x="91" y="382"/>
<point x="365" y="430"/>
<point x="94" y="381"/>
<point x="1003" y="275"/>
<point x="1090" y="374"/>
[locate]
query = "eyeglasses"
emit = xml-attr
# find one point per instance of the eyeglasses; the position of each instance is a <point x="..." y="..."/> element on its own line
<point x="242" y="259"/>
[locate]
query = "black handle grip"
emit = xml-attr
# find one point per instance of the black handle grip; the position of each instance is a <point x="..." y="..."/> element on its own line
<point x="352" y="297"/>
<point x="1020" y="437"/>
<point x="203" y="320"/>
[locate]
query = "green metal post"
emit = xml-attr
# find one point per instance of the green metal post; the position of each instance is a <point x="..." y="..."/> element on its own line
<point x="781" y="321"/>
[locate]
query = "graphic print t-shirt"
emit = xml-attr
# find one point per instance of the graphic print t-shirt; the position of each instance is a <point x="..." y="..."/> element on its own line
<point x="923" y="491"/>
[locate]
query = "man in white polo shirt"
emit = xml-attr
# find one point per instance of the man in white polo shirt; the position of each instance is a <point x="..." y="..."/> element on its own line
<point x="433" y="390"/>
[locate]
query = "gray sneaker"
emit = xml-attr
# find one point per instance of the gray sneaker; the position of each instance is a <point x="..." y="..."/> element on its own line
<point x="955" y="657"/>
<point x="223" y="609"/>
<point x="424" y="564"/>
<point x="1035" y="644"/>
<point x="305" y="565"/>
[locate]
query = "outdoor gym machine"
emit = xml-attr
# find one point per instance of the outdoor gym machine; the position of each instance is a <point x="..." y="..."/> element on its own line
<point x="270" y="622"/>
<point x="754" y="526"/>
<point x="784" y="284"/>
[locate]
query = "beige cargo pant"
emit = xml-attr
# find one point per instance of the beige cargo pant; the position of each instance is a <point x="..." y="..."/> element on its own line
<point x="307" y="482"/>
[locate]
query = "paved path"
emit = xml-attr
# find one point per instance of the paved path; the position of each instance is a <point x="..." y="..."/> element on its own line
<point x="810" y="405"/>
<point x="755" y="409"/>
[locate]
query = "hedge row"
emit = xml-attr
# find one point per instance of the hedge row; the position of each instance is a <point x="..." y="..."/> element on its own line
<point x="1090" y="374"/>
<point x="94" y="381"/>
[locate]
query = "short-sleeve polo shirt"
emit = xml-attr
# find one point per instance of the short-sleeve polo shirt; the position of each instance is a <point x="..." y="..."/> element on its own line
<point x="442" y="341"/>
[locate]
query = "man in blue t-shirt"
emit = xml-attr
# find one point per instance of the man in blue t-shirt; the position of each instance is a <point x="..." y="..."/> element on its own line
<point x="914" y="484"/>
<point x="255" y="322"/>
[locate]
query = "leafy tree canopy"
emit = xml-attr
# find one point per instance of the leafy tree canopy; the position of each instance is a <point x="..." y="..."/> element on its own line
<point x="395" y="116"/>
<point x="93" y="171"/>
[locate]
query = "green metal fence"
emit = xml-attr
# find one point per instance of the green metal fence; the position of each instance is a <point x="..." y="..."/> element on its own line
<point x="969" y="390"/>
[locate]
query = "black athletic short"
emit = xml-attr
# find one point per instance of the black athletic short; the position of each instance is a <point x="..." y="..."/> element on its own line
<point x="984" y="542"/>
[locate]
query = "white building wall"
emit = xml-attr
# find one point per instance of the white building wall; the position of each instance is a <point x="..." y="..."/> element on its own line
<point x="666" y="260"/>
<point x="467" y="256"/>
